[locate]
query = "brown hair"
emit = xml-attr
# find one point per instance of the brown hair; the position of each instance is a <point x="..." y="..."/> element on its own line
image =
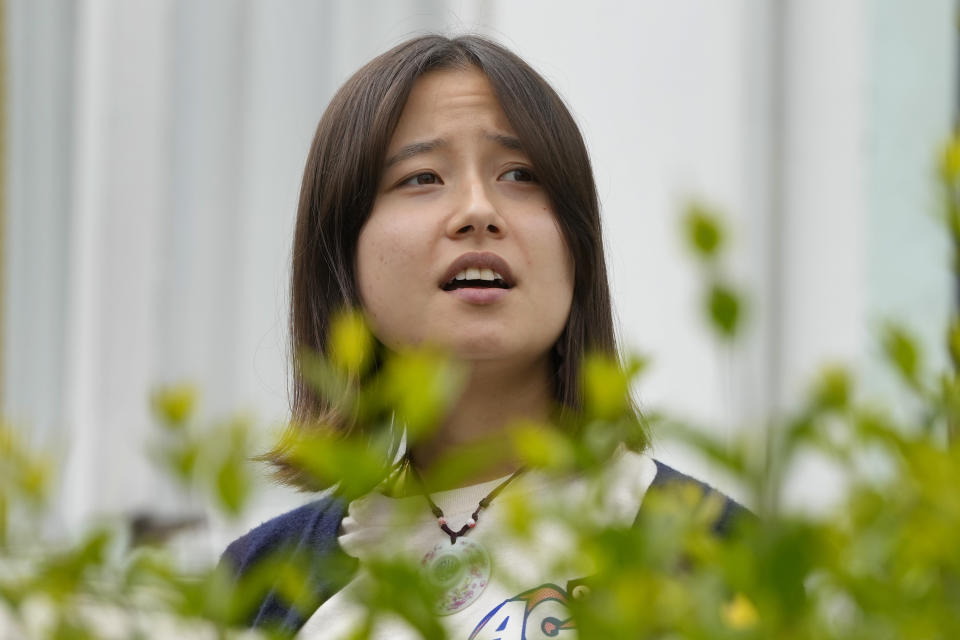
<point x="340" y="183"/>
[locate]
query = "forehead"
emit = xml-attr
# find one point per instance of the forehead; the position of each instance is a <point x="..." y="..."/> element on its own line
<point x="450" y="99"/>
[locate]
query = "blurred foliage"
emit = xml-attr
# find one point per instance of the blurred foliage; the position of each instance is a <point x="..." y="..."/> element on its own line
<point x="703" y="231"/>
<point x="884" y="562"/>
<point x="705" y="237"/>
<point x="24" y="481"/>
<point x="211" y="457"/>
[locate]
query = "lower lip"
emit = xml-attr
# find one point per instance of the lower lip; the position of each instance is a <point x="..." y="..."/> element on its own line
<point x="479" y="295"/>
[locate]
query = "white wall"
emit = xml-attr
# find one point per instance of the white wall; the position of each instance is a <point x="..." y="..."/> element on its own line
<point x="156" y="146"/>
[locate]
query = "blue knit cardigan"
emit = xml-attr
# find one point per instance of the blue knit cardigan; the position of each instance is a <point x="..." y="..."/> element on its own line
<point x="307" y="536"/>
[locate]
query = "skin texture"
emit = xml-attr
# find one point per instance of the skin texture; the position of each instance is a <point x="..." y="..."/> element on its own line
<point x="466" y="190"/>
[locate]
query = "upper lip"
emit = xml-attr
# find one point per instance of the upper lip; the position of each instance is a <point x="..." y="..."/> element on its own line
<point x="479" y="260"/>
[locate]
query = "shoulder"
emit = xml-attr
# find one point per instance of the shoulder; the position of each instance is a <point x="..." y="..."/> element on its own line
<point x="304" y="540"/>
<point x="730" y="511"/>
<point x="316" y="522"/>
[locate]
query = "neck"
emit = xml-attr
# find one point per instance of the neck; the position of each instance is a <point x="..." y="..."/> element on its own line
<point x="492" y="400"/>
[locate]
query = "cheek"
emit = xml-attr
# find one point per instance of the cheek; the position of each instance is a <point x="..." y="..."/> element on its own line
<point x="564" y="275"/>
<point x="365" y="267"/>
<point x="562" y="265"/>
<point x="387" y="267"/>
<point x="374" y="268"/>
<point x="555" y="245"/>
<point x="382" y="255"/>
<point x="551" y="259"/>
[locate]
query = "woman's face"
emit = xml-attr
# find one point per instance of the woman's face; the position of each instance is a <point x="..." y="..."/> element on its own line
<point x="462" y="249"/>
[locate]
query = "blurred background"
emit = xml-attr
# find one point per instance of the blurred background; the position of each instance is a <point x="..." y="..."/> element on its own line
<point x="154" y="149"/>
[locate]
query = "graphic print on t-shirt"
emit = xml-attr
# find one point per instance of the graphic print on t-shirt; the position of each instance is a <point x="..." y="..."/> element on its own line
<point x="540" y="612"/>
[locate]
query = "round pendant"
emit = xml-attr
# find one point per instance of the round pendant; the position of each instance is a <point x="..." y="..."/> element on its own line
<point x="459" y="571"/>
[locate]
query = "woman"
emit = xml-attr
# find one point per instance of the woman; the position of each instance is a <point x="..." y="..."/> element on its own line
<point x="448" y="194"/>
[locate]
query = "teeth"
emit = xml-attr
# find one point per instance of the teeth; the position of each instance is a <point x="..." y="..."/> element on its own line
<point x="478" y="274"/>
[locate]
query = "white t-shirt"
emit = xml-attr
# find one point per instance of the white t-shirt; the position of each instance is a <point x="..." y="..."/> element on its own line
<point x="526" y="594"/>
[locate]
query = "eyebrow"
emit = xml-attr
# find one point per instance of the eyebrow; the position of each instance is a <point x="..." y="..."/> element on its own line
<point x="510" y="142"/>
<point x="426" y="146"/>
<point x="414" y="149"/>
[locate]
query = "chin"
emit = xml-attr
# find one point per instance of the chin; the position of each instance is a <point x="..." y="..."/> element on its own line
<point x="480" y="349"/>
<point x="494" y="352"/>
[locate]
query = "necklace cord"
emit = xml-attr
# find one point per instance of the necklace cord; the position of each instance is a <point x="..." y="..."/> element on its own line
<point x="472" y="522"/>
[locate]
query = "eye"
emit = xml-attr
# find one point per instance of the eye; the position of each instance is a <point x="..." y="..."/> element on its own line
<point x="519" y="174"/>
<point x="427" y="177"/>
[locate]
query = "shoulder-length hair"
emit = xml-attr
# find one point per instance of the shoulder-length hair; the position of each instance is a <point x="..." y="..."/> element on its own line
<point x="340" y="182"/>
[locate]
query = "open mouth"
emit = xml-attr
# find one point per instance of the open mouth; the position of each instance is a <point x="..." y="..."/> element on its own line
<point x="476" y="278"/>
<point x="476" y="270"/>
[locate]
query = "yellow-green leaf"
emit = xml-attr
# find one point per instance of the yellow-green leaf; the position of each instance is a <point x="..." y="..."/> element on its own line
<point x="703" y="231"/>
<point x="174" y="405"/>
<point x="351" y="343"/>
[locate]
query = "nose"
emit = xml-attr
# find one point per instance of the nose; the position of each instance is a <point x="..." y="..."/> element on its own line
<point x="475" y="213"/>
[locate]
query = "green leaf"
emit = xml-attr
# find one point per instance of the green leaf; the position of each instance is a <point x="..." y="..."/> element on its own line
<point x="233" y="486"/>
<point x="351" y="343"/>
<point x="327" y="379"/>
<point x="724" y="308"/>
<point x="62" y="574"/>
<point x="457" y="466"/>
<point x="606" y="385"/>
<point x="174" y="405"/>
<point x="703" y="231"/>
<point x="541" y="446"/>
<point x="950" y="161"/>
<point x="953" y="342"/>
<point x="331" y="457"/>
<point x="181" y="458"/>
<point x="832" y="388"/>
<point x="903" y="353"/>
<point x="229" y="446"/>
<point x="412" y="601"/>
<point x="419" y="386"/>
<point x="25" y="472"/>
<point x="950" y="399"/>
